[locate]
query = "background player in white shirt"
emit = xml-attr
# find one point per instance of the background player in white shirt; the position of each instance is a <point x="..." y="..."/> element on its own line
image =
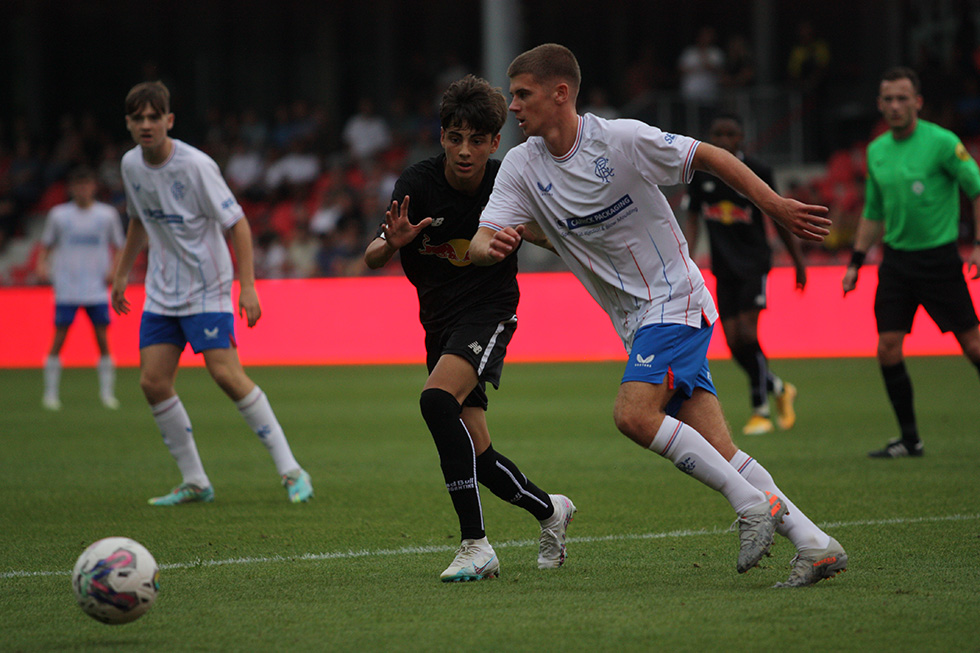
<point x="592" y="186"/>
<point x="180" y="206"/>
<point x="76" y="254"/>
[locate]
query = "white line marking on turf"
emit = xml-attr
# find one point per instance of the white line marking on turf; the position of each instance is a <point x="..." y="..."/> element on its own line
<point x="441" y="548"/>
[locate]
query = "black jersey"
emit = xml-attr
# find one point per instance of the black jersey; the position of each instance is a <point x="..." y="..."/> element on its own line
<point x="437" y="262"/>
<point x="736" y="226"/>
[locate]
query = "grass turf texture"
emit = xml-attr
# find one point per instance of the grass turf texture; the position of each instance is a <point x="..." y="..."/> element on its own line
<point x="651" y="564"/>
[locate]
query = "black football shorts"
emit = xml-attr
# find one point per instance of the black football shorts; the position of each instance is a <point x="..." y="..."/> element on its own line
<point x="931" y="278"/>
<point x="480" y="340"/>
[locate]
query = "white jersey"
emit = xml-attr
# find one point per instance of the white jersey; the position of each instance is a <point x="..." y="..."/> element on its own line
<point x="185" y="206"/>
<point x="81" y="241"/>
<point x="602" y="209"/>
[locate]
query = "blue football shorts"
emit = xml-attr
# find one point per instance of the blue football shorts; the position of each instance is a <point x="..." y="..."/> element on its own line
<point x="202" y="330"/>
<point x="675" y="353"/>
<point x="64" y="314"/>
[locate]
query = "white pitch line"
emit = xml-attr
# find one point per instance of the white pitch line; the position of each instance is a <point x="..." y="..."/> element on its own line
<point x="414" y="550"/>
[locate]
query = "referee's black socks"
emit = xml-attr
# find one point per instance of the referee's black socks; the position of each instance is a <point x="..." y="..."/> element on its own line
<point x="899" y="387"/>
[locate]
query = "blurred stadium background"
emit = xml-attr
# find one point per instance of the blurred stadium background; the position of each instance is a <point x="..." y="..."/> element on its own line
<point x="313" y="108"/>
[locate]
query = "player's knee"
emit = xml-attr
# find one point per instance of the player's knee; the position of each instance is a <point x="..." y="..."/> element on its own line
<point x="970" y="344"/>
<point x="437" y="404"/>
<point x="889" y="354"/>
<point x="155" y="387"/>
<point x="232" y="381"/>
<point x="638" y="424"/>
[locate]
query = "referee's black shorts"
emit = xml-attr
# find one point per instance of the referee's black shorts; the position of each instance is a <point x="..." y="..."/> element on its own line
<point x="931" y="278"/>
<point x="480" y="339"/>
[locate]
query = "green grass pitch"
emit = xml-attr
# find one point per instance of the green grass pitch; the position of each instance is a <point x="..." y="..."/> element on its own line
<point x="651" y="564"/>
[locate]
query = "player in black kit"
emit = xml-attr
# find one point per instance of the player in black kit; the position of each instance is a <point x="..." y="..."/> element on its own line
<point x="741" y="260"/>
<point x="469" y="316"/>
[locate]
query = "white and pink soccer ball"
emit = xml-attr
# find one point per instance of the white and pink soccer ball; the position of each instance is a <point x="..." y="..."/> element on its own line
<point x="115" y="580"/>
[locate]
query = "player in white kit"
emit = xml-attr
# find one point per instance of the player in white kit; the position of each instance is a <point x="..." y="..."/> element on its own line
<point x="181" y="207"/>
<point x="76" y="254"/>
<point x="592" y="186"/>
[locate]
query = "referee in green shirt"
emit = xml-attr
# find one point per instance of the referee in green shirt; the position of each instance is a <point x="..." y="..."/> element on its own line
<point x="912" y="204"/>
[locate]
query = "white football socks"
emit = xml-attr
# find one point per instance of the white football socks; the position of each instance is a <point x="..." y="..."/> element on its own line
<point x="692" y="454"/>
<point x="257" y="411"/>
<point x="796" y="526"/>
<point x="175" y="426"/>
<point x="52" y="377"/>
<point x="107" y="377"/>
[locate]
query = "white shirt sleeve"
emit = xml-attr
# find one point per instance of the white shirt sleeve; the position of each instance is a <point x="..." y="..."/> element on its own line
<point x="508" y="205"/>
<point x="116" y="235"/>
<point x="218" y="199"/>
<point x="50" y="234"/>
<point x="664" y="158"/>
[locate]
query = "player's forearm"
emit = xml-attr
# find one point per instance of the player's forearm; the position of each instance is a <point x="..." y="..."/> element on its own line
<point x="692" y="228"/>
<point x="727" y="167"/>
<point x="241" y="241"/>
<point x="792" y="246"/>
<point x="868" y="233"/>
<point x="135" y="242"/>
<point x="480" y="247"/>
<point x="378" y="253"/>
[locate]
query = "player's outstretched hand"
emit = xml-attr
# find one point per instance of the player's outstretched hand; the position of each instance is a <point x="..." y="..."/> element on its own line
<point x="505" y="242"/>
<point x="398" y="230"/>
<point x="805" y="221"/>
<point x="248" y="302"/>
<point x="118" y="298"/>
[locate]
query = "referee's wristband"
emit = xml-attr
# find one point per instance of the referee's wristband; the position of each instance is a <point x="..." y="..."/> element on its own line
<point x="857" y="259"/>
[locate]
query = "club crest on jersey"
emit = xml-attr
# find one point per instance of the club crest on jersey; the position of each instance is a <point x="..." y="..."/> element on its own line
<point x="179" y="190"/>
<point x="602" y="169"/>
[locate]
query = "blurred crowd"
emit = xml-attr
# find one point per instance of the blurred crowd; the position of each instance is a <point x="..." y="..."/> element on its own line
<point x="315" y="185"/>
<point x="313" y="192"/>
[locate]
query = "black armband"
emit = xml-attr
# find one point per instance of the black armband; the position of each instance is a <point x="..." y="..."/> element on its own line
<point x="857" y="259"/>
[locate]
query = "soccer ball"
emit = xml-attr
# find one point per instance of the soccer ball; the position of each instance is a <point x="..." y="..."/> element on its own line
<point x="115" y="580"/>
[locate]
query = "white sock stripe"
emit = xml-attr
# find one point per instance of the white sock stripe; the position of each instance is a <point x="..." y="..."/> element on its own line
<point x="250" y="399"/>
<point x="442" y="548"/>
<point x="165" y="406"/>
<point x="476" y="479"/>
<point x="673" y="436"/>
<point x="520" y="487"/>
<point x="745" y="465"/>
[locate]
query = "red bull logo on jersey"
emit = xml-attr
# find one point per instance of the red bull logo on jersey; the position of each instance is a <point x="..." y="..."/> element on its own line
<point x="456" y="251"/>
<point x="727" y="212"/>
